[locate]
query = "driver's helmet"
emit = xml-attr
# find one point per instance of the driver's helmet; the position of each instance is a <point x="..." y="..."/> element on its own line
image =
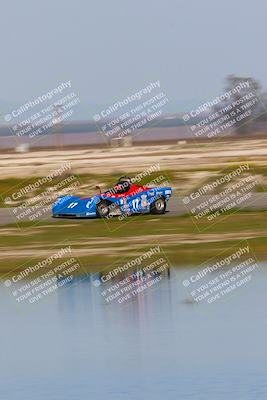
<point x="123" y="185"/>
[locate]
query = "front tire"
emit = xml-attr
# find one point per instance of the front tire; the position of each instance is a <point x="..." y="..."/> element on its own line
<point x="103" y="209"/>
<point x="158" y="206"/>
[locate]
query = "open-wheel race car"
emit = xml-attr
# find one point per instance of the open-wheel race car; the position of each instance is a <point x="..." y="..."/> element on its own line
<point x="125" y="198"/>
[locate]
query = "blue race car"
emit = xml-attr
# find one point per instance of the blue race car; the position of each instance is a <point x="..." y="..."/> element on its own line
<point x="124" y="198"/>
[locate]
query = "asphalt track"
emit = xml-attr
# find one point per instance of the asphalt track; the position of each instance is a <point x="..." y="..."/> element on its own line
<point x="176" y="207"/>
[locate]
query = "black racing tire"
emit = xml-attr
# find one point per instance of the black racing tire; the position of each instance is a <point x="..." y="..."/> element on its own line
<point x="103" y="209"/>
<point x="158" y="206"/>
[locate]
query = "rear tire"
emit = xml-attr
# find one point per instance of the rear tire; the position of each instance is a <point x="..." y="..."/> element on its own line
<point x="103" y="209"/>
<point x="158" y="206"/>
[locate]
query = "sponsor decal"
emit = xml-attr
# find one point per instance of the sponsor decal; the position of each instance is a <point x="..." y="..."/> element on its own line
<point x="144" y="202"/>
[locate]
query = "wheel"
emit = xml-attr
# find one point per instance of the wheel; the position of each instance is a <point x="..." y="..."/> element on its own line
<point x="103" y="209"/>
<point x="158" y="206"/>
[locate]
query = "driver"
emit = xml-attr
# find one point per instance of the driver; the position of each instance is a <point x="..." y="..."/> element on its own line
<point x="123" y="185"/>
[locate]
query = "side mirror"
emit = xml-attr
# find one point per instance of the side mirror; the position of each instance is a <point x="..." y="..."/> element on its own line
<point x="99" y="188"/>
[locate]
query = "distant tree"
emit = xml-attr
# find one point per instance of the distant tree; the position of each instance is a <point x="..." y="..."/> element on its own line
<point x="253" y="106"/>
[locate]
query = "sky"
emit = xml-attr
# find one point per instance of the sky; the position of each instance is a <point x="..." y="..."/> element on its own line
<point x="109" y="49"/>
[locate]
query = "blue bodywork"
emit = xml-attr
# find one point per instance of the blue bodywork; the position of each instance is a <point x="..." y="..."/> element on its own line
<point x="73" y="206"/>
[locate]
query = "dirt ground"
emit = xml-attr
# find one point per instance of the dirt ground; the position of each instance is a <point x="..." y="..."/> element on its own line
<point x="131" y="159"/>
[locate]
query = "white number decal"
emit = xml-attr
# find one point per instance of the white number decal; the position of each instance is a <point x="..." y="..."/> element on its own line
<point x="72" y="205"/>
<point x="89" y="203"/>
<point x="135" y="204"/>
